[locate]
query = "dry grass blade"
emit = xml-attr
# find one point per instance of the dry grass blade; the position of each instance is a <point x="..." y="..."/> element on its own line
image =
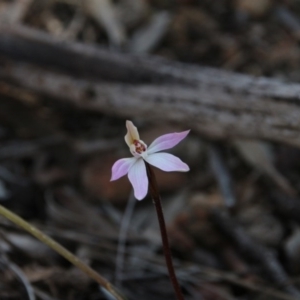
<point x="21" y="277"/>
<point x="258" y="155"/>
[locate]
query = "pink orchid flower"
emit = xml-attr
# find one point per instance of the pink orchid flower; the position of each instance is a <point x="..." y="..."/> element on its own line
<point x="135" y="166"/>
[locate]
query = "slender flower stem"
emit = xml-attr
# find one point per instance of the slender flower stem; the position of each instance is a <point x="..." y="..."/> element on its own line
<point x="153" y="189"/>
<point x="61" y="250"/>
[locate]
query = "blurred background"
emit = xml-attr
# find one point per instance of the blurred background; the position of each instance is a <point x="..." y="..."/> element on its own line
<point x="72" y="72"/>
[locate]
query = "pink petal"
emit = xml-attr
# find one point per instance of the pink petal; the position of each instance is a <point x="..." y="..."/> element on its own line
<point x="167" y="141"/>
<point x="121" y="167"/>
<point x="167" y="162"/>
<point x="139" y="180"/>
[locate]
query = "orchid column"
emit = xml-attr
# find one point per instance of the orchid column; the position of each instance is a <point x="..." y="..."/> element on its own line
<point x="141" y="175"/>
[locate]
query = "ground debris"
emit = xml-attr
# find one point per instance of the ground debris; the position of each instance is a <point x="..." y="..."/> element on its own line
<point x="72" y="72"/>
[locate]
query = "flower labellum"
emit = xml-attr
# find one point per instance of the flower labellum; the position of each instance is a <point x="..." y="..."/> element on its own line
<point x="135" y="166"/>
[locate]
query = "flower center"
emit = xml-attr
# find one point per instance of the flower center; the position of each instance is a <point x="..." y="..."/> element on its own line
<point x="138" y="148"/>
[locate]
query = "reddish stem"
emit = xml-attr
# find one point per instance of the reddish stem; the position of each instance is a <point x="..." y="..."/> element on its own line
<point x="153" y="189"/>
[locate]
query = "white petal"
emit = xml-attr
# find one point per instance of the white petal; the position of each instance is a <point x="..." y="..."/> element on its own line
<point x="132" y="133"/>
<point x="138" y="178"/>
<point x="121" y="167"/>
<point x="167" y="141"/>
<point x="167" y="162"/>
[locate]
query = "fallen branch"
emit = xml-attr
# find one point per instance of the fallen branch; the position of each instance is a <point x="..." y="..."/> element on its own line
<point x="215" y="103"/>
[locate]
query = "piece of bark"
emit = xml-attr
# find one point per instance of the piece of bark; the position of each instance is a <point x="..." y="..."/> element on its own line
<point x="13" y="12"/>
<point x="218" y="104"/>
<point x="148" y="37"/>
<point x="104" y="13"/>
